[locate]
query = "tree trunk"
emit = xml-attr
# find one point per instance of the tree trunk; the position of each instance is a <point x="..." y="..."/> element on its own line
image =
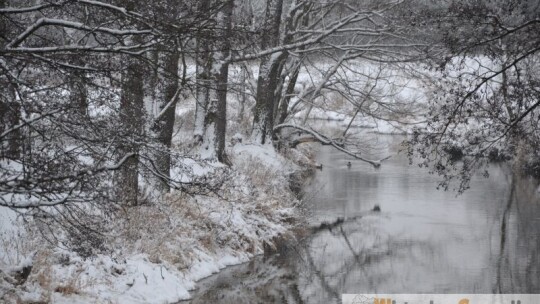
<point x="278" y="92"/>
<point x="243" y="96"/>
<point x="152" y="89"/>
<point x="10" y="108"/>
<point x="131" y="118"/>
<point x="10" y="114"/>
<point x="284" y="104"/>
<point x="269" y="73"/>
<point x="203" y="68"/>
<point x="216" y="117"/>
<point x="166" y="96"/>
<point x="267" y="83"/>
<point x="303" y="19"/>
<point x="79" y="95"/>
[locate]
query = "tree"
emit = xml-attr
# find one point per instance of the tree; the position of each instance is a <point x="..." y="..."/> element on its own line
<point x="216" y="115"/>
<point x="203" y="57"/>
<point x="165" y="89"/>
<point x="10" y="111"/>
<point x="269" y="72"/>
<point x="80" y="120"/>
<point x="308" y="35"/>
<point x="131" y="116"/>
<point x="486" y="105"/>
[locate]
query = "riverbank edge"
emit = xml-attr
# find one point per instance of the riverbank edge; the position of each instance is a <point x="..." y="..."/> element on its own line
<point x="139" y="278"/>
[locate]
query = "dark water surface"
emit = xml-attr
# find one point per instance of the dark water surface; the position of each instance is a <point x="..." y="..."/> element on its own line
<point x="424" y="240"/>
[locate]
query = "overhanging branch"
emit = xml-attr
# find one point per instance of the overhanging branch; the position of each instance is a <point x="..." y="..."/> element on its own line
<point x="325" y="140"/>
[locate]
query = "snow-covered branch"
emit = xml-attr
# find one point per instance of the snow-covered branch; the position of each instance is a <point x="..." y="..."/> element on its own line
<point x="357" y="17"/>
<point x="325" y="140"/>
<point x="42" y="197"/>
<point x="128" y="49"/>
<point x="70" y="24"/>
<point x="27" y="122"/>
<point x="171" y="103"/>
<point x="21" y="10"/>
<point x="110" y="6"/>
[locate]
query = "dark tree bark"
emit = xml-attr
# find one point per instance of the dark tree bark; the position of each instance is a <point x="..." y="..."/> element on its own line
<point x="292" y="23"/>
<point x="269" y="73"/>
<point x="283" y="110"/>
<point x="10" y="108"/>
<point x="79" y="95"/>
<point x="243" y="96"/>
<point x="10" y="113"/>
<point x="132" y="122"/>
<point x="167" y="95"/>
<point x="131" y="116"/>
<point x="216" y="117"/>
<point x="204" y="65"/>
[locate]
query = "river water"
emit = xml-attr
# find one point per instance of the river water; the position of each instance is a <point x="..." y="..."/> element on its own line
<point x="424" y="240"/>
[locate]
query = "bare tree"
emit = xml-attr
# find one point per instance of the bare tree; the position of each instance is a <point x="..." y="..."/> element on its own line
<point x="311" y="33"/>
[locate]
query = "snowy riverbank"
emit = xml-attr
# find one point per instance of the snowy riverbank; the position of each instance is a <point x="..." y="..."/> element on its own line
<point x="163" y="249"/>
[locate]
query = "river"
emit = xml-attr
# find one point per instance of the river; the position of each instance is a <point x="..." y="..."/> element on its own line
<point x="424" y="240"/>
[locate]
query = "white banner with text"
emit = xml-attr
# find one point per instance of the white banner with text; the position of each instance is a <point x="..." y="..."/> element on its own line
<point x="441" y="298"/>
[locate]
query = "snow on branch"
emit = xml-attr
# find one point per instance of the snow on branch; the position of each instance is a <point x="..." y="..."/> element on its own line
<point x="36" y="196"/>
<point x="118" y="164"/>
<point x="325" y="140"/>
<point x="356" y="17"/>
<point x="171" y="103"/>
<point x="110" y="6"/>
<point x="27" y="122"/>
<point x="136" y="49"/>
<point x="21" y="10"/>
<point x="71" y="24"/>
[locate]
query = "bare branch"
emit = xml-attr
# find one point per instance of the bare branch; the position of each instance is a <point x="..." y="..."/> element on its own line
<point x="323" y="139"/>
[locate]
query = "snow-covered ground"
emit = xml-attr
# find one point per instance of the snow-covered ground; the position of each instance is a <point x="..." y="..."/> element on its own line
<point x="166" y="247"/>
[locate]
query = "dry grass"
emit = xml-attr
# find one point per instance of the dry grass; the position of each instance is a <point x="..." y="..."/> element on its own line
<point x="254" y="207"/>
<point x="17" y="246"/>
<point x="151" y="230"/>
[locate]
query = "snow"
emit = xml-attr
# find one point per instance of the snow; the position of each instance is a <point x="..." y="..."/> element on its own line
<point x="8" y="231"/>
<point x="264" y="154"/>
<point x="189" y="238"/>
<point x="140" y="282"/>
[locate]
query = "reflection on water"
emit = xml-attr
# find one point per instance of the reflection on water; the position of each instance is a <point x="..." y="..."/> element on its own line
<point x="424" y="240"/>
